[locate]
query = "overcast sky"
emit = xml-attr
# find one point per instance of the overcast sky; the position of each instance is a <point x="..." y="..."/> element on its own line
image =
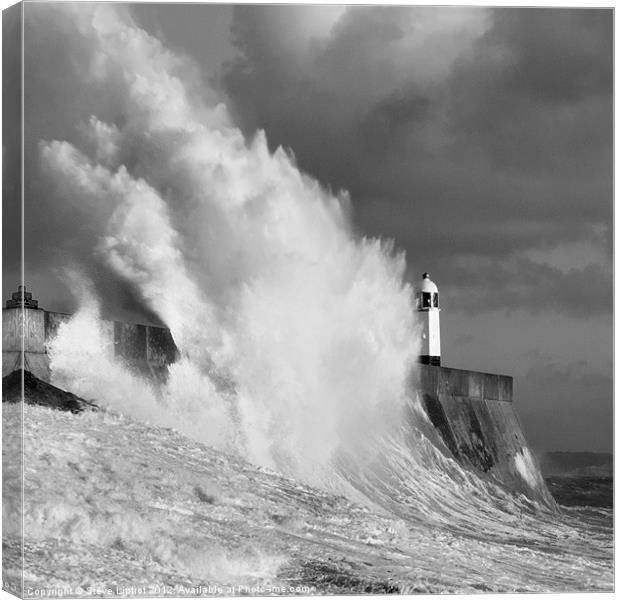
<point x="479" y="139"/>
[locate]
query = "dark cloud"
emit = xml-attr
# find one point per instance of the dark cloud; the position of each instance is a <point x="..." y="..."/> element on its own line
<point x="536" y="95"/>
<point x="559" y="56"/>
<point x="390" y="115"/>
<point x="523" y="284"/>
<point x="487" y="135"/>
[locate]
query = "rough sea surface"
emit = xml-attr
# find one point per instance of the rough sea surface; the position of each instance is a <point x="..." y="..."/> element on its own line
<point x="582" y="491"/>
<point x="114" y="506"/>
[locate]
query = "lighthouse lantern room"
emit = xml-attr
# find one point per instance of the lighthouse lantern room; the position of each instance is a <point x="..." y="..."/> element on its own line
<point x="427" y="300"/>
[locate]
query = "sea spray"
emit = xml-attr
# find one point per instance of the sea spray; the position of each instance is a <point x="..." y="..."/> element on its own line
<point x="83" y="360"/>
<point x="251" y="264"/>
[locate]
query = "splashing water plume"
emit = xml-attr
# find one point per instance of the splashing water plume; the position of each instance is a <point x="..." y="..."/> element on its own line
<point x="251" y="264"/>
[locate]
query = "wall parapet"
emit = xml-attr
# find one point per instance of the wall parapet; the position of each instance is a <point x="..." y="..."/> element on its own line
<point x="465" y="384"/>
<point x="144" y="348"/>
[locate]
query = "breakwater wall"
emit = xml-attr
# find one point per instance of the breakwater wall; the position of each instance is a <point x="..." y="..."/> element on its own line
<point x="143" y="348"/>
<point x="472" y="412"/>
<point x="474" y="415"/>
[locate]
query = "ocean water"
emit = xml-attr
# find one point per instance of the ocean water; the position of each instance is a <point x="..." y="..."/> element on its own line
<point x="592" y="491"/>
<point x="118" y="507"/>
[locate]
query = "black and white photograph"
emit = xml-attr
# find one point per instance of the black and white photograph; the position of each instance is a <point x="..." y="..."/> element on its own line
<point x="306" y="299"/>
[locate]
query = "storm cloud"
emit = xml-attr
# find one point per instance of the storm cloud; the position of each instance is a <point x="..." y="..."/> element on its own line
<point x="463" y="133"/>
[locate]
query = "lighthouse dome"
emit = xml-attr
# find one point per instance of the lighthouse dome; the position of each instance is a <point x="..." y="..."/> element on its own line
<point x="428" y="285"/>
<point x="428" y="296"/>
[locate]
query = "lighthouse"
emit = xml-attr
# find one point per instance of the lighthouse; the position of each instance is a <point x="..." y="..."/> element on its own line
<point x="427" y="301"/>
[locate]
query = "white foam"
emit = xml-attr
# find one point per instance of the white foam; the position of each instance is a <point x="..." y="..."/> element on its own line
<point x="251" y="264"/>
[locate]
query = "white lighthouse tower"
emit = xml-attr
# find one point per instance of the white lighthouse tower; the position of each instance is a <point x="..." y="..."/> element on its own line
<point x="427" y="300"/>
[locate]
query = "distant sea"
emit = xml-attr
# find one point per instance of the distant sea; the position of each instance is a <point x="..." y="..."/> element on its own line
<point x="579" y="478"/>
<point x="582" y="491"/>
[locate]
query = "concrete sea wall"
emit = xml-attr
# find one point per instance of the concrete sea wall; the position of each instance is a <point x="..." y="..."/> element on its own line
<point x="475" y="417"/>
<point x="144" y="348"/>
<point x="472" y="412"/>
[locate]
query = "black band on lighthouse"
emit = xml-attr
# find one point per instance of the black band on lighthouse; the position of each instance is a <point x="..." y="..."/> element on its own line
<point x="430" y="360"/>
